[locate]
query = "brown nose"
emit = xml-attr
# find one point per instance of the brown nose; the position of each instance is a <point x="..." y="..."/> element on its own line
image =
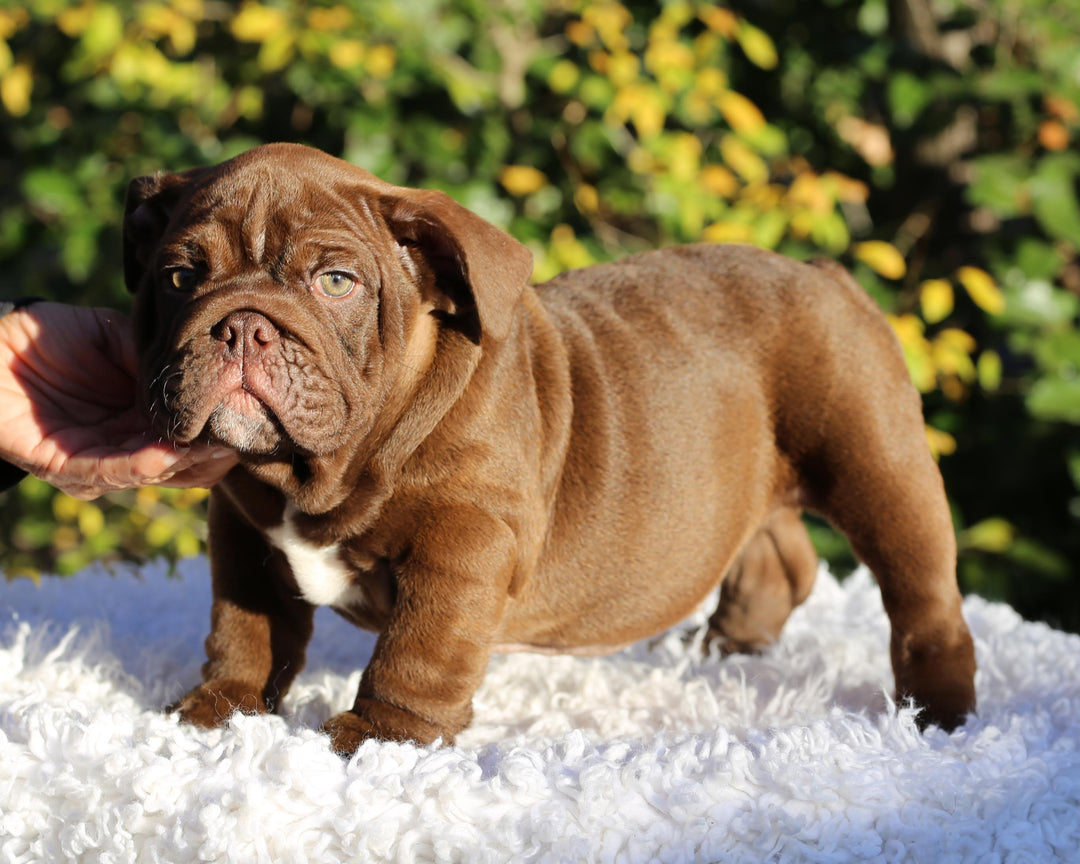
<point x="245" y="333"/>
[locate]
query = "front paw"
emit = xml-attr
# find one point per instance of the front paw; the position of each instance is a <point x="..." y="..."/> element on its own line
<point x="347" y="732"/>
<point x="211" y="704"/>
<point x="371" y="718"/>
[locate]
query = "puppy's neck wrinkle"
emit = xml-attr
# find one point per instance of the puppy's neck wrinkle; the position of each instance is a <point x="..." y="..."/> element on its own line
<point x="351" y="484"/>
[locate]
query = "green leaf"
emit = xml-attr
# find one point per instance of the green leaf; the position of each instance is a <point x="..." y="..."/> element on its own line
<point x="53" y="191"/>
<point x="1038" y="259"/>
<point x="1039" y="558"/>
<point x="1053" y="196"/>
<point x="874" y="17"/>
<point x="1072" y="460"/>
<point x="1037" y="303"/>
<point x="1059" y="352"/>
<point x="1009" y="83"/>
<point x="908" y="95"/>
<point x="998" y="184"/>
<point x="1054" y="398"/>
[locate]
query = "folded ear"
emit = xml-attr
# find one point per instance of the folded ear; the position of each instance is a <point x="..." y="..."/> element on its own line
<point x="480" y="267"/>
<point x="149" y="203"/>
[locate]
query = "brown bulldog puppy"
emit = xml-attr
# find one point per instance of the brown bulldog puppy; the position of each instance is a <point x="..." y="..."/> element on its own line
<point x="467" y="464"/>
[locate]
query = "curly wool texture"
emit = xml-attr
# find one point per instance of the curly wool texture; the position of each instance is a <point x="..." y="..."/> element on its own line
<point x="657" y="753"/>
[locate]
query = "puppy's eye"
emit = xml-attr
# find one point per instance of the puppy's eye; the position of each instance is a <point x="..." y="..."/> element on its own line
<point x="335" y="283"/>
<point x="182" y="278"/>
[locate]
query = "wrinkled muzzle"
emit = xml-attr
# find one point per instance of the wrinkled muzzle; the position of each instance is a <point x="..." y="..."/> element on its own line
<point x="239" y="372"/>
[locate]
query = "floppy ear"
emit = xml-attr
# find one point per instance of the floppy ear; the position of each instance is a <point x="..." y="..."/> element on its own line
<point x="480" y="267"/>
<point x="147" y="207"/>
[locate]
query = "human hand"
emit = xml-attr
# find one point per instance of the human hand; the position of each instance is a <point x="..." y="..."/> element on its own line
<point x="68" y="411"/>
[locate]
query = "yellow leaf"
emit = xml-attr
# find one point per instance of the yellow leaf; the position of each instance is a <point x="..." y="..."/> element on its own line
<point x="347" y="53"/>
<point x="91" y="519"/>
<point x="187" y="543"/>
<point x="563" y="76"/>
<point x="982" y="289"/>
<point x="64" y="538"/>
<point x="710" y="81"/>
<point x="989" y="370"/>
<point x="764" y="197"/>
<point x="186" y="498"/>
<point x="580" y="33"/>
<point x="808" y="191"/>
<point x="941" y="443"/>
<point x="678" y="13"/>
<point x="160" y="531"/>
<point x="721" y="21"/>
<point x="699" y="110"/>
<point x="522" y="180"/>
<point x="917" y="353"/>
<point x="741" y="114"/>
<point x="728" y="232"/>
<point x="15" y="89"/>
<point x="6" y="58"/>
<point x="257" y="23"/>
<point x="641" y="161"/>
<point x="622" y="68"/>
<point x="65" y="508"/>
<point x="684" y="157"/>
<point x="158" y="20"/>
<point x="991" y="535"/>
<point x="664" y="56"/>
<point x="757" y="46"/>
<point x="881" y="257"/>
<point x="567" y="249"/>
<point x="193" y="9"/>
<point x="907" y="327"/>
<point x="277" y="51"/>
<point x="936" y="300"/>
<point x="599" y="61"/>
<point x="381" y="61"/>
<point x="610" y="20"/>
<point x="957" y="339"/>
<point x="952" y="355"/>
<point x="74" y="20"/>
<point x="586" y="198"/>
<point x="847" y="189"/>
<point x="643" y="105"/>
<point x="11" y="21"/>
<point x="742" y="160"/>
<point x="719" y="181"/>
<point x="332" y="20"/>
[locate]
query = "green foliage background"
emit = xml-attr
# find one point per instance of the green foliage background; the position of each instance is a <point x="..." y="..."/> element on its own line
<point x="930" y="145"/>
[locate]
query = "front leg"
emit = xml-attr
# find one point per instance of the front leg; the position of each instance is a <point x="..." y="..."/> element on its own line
<point x="434" y="652"/>
<point x="259" y="629"/>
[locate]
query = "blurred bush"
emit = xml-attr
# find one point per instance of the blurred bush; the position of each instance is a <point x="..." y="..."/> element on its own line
<point x="930" y="146"/>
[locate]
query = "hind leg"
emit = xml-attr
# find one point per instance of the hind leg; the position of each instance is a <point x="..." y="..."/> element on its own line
<point x="875" y="479"/>
<point x="772" y="575"/>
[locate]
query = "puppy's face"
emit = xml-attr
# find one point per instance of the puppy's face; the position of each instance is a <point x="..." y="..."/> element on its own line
<point x="282" y="296"/>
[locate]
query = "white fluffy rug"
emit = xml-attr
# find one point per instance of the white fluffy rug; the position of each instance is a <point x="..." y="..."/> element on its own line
<point x="653" y="754"/>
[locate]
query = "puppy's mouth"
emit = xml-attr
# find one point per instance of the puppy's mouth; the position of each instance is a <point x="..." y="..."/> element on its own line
<point x="241" y="420"/>
<point x="260" y="395"/>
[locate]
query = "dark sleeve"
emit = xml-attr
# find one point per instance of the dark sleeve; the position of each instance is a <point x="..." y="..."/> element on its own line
<point x="9" y="474"/>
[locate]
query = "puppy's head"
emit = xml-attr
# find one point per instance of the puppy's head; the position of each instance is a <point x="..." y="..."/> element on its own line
<point x="282" y="296"/>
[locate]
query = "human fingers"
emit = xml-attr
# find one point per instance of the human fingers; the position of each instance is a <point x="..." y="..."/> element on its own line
<point x="204" y="474"/>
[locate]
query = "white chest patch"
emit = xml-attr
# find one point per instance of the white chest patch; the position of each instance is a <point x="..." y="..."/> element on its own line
<point x="319" y="571"/>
